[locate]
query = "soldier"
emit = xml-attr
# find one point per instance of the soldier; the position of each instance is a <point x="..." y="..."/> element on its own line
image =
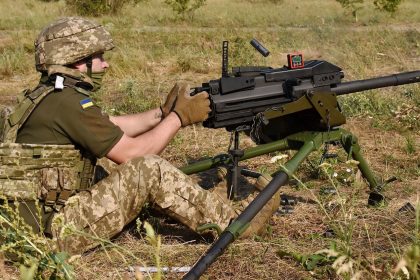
<point x="59" y="112"/>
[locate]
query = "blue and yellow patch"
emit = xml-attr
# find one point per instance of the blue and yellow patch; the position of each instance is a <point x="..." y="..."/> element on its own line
<point x="86" y="103"/>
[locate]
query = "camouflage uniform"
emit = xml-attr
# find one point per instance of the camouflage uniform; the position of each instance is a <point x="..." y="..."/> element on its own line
<point x="116" y="200"/>
<point x="60" y="117"/>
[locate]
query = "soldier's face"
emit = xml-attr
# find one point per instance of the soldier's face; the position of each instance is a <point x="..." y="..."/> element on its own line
<point x="99" y="64"/>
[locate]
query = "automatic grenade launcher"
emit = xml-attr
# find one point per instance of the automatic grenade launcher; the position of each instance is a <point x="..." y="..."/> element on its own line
<point x="271" y="104"/>
<point x="290" y="108"/>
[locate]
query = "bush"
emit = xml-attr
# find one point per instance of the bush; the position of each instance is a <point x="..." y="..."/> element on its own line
<point x="389" y="6"/>
<point x="354" y="6"/>
<point x="98" y="7"/>
<point x="185" y="7"/>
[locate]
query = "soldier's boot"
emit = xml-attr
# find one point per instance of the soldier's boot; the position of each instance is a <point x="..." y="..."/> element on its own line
<point x="260" y="221"/>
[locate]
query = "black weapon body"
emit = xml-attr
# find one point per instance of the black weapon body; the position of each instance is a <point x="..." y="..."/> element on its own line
<point x="238" y="97"/>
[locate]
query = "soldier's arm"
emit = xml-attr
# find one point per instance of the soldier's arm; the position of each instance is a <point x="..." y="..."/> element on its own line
<point x="153" y="141"/>
<point x="136" y="124"/>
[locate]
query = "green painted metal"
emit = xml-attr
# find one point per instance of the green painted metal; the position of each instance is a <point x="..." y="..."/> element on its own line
<point x="296" y="142"/>
<point x="352" y="147"/>
<point x="318" y="137"/>
<point x="327" y="107"/>
<point x="292" y="142"/>
<point x="210" y="226"/>
<point x="324" y="103"/>
<point x="238" y="226"/>
<point x="305" y="143"/>
<point x="223" y="159"/>
<point x="292" y="165"/>
<point x="364" y="168"/>
<point x="289" y="108"/>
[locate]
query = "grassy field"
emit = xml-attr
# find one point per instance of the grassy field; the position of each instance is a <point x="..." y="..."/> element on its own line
<point x="155" y="49"/>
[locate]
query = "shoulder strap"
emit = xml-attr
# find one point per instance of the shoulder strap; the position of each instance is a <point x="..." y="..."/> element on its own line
<point x="28" y="102"/>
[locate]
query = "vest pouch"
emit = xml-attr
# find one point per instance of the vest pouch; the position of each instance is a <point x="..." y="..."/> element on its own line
<point x="57" y="185"/>
<point x="19" y="188"/>
<point x="46" y="172"/>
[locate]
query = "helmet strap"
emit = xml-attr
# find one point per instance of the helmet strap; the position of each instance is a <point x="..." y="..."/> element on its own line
<point x="89" y="66"/>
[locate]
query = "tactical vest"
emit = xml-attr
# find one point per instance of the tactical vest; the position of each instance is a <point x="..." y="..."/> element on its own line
<point x="50" y="173"/>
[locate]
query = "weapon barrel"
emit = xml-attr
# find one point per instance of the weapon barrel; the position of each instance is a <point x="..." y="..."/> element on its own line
<point x="386" y="81"/>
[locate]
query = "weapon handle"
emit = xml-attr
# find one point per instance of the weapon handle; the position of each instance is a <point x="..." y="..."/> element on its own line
<point x="238" y="226"/>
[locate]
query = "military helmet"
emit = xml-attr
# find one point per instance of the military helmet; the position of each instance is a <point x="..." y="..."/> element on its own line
<point x="69" y="40"/>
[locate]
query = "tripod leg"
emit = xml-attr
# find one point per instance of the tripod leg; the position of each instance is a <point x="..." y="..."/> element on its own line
<point x="352" y="147"/>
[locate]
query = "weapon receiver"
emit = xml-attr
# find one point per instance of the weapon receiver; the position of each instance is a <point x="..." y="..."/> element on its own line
<point x="238" y="97"/>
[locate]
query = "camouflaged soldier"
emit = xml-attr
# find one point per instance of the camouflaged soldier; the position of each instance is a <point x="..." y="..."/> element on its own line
<point x="67" y="133"/>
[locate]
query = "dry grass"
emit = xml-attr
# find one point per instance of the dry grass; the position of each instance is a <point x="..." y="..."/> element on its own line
<point x="155" y="49"/>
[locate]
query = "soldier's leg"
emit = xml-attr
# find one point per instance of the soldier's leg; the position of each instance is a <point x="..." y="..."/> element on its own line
<point x="106" y="164"/>
<point x="116" y="200"/>
<point x="181" y="198"/>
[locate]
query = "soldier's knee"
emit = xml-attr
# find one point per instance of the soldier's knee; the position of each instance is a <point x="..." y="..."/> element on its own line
<point x="149" y="161"/>
<point x="153" y="166"/>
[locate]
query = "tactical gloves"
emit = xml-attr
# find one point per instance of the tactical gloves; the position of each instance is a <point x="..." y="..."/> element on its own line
<point x="191" y="109"/>
<point x="169" y="104"/>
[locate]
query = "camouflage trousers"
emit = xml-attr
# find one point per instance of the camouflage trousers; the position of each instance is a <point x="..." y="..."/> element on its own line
<point x="103" y="211"/>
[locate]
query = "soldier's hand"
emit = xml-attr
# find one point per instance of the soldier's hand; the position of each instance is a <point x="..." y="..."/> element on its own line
<point x="169" y="104"/>
<point x="191" y="109"/>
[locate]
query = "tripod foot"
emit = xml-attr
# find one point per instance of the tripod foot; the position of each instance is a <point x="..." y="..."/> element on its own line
<point x="376" y="199"/>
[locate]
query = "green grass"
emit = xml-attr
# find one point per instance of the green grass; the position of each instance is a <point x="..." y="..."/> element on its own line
<point x="155" y="48"/>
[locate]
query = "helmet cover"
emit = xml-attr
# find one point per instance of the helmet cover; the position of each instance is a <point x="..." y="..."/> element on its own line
<point x="69" y="40"/>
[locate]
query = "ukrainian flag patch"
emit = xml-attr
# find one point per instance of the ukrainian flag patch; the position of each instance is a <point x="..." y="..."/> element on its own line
<point x="86" y="103"/>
